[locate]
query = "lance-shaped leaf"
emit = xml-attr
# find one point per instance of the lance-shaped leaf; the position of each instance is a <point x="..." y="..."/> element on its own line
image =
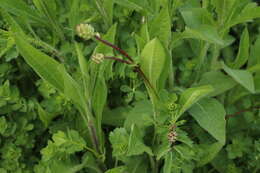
<point x="153" y="61"/>
<point x="243" y="52"/>
<point x="192" y="95"/>
<point x="243" y="77"/>
<point x="210" y="114"/>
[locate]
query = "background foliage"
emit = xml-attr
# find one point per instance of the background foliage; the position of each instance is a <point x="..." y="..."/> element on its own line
<point x="61" y="112"/>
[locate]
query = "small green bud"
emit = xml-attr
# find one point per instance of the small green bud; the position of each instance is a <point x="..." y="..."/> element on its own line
<point x="172" y="106"/>
<point x="98" y="58"/>
<point x="85" y="31"/>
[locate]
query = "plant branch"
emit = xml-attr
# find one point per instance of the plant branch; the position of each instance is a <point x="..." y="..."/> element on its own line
<point x="131" y="61"/>
<point x="240" y="112"/>
<point x="115" y="47"/>
<point x="118" y="59"/>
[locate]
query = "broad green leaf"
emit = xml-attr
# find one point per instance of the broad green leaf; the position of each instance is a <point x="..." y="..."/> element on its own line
<point x="243" y="77"/>
<point x="210" y="114"/>
<point x="219" y="81"/>
<point x="196" y="17"/>
<point x="124" y="144"/>
<point x="161" y="27"/>
<point x="192" y="95"/>
<point x="167" y="168"/>
<point x="204" y="32"/>
<point x="139" y="115"/>
<point x="152" y="61"/>
<point x="120" y="169"/>
<point x="209" y="153"/>
<point x="243" y="53"/>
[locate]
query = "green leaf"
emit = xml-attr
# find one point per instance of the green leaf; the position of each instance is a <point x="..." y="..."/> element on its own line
<point x="243" y="77"/>
<point x="129" y="4"/>
<point x="243" y="53"/>
<point x="43" y="65"/>
<point x="192" y="95"/>
<point x="48" y="9"/>
<point x="209" y="152"/>
<point x="139" y="115"/>
<point x="72" y="90"/>
<point x="120" y="169"/>
<point x="196" y="17"/>
<point x="108" y="7"/>
<point x="153" y="61"/>
<point x="161" y="27"/>
<point x="168" y="163"/>
<point x="250" y="11"/>
<point x="204" y="32"/>
<point x="63" y="144"/>
<point x="74" y="15"/>
<point x="219" y="81"/>
<point x="136" y="145"/>
<point x="20" y="8"/>
<point x="3" y="125"/>
<point x="44" y="116"/>
<point x="119" y="140"/>
<point x="223" y="9"/>
<point x="210" y="114"/>
<point x="124" y="144"/>
<point x="254" y="53"/>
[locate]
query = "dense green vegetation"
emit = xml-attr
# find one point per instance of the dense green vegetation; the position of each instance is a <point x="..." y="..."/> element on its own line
<point x="129" y="86"/>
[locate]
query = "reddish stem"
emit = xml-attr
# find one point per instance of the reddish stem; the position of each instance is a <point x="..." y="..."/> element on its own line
<point x="114" y="47"/>
<point x="240" y="112"/>
<point x="118" y="59"/>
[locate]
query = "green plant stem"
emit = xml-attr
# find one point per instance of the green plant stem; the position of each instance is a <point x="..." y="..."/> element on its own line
<point x="215" y="57"/>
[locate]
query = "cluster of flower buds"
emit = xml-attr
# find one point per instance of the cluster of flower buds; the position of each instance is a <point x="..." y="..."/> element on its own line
<point x="85" y="31"/>
<point x="98" y="58"/>
<point x="172" y="135"/>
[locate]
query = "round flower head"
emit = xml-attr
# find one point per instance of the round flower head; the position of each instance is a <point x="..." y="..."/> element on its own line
<point x="85" y="31"/>
<point x="98" y="58"/>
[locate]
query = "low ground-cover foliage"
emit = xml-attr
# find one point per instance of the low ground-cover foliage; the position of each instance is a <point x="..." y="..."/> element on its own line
<point x="129" y="86"/>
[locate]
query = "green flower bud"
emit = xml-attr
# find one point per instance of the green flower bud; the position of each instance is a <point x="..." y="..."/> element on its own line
<point x="85" y="31"/>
